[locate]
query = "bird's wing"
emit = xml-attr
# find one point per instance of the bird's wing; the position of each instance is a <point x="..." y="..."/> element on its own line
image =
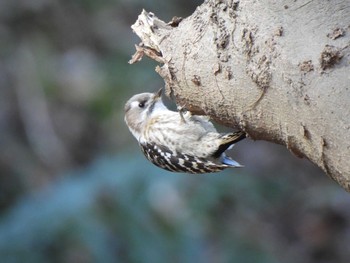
<point x="193" y="135"/>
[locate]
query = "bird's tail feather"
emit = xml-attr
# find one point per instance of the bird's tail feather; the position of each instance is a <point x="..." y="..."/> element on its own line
<point x="228" y="140"/>
<point x="233" y="137"/>
<point x="231" y="162"/>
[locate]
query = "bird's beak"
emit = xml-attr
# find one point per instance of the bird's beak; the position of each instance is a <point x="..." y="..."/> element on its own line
<point x="158" y="94"/>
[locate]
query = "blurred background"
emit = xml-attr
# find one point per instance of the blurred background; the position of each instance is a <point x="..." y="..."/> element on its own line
<point x="74" y="187"/>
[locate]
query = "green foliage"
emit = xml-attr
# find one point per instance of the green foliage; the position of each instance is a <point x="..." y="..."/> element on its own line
<point x="118" y="211"/>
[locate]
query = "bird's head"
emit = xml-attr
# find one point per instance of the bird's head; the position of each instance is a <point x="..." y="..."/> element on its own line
<point x="139" y="108"/>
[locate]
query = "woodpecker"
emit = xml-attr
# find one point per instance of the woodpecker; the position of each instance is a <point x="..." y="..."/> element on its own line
<point x="178" y="141"/>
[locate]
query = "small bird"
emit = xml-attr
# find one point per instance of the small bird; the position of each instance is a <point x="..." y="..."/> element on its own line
<point x="178" y="141"/>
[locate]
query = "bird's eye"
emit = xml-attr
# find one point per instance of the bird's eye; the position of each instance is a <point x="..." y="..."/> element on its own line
<point x="141" y="104"/>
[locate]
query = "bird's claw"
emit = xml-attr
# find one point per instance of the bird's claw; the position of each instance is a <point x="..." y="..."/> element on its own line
<point x="182" y="110"/>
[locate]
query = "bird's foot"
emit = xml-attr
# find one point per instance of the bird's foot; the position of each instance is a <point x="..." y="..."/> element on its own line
<point x="182" y="111"/>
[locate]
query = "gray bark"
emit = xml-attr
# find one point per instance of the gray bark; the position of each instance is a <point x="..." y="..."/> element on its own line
<point x="279" y="70"/>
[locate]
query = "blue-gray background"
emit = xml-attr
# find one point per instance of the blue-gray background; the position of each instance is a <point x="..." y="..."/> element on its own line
<point x="74" y="186"/>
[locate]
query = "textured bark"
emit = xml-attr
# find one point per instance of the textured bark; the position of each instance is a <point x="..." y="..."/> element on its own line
<point x="279" y="70"/>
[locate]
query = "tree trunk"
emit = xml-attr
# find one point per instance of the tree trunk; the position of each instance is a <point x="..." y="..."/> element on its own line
<point x="279" y="70"/>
